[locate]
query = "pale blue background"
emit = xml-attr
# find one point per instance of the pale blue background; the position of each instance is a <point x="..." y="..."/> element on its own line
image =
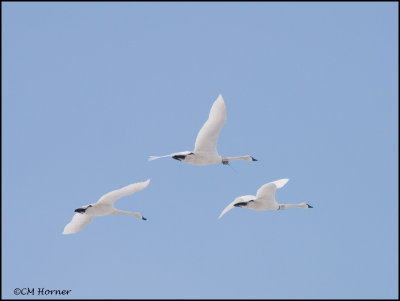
<point x="90" y="90"/>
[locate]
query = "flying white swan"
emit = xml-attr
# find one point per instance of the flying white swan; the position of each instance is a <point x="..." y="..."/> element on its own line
<point x="205" y="148"/>
<point x="264" y="200"/>
<point x="104" y="206"/>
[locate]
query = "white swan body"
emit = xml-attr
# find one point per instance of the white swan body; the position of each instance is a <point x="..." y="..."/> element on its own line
<point x="104" y="206"/>
<point x="205" y="148"/>
<point x="264" y="200"/>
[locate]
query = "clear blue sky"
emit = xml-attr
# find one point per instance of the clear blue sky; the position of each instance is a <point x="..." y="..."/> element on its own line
<point x="90" y="90"/>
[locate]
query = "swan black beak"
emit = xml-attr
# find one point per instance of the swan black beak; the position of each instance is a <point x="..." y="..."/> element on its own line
<point x="253" y="159"/>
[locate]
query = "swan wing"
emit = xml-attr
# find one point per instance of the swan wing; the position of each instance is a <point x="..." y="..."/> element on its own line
<point x="151" y="158"/>
<point x="240" y="199"/>
<point x="207" y="137"/>
<point x="266" y="193"/>
<point x="77" y="223"/>
<point x="111" y="197"/>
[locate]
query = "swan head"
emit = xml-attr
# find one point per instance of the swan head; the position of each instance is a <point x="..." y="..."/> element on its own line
<point x="305" y="205"/>
<point x="249" y="158"/>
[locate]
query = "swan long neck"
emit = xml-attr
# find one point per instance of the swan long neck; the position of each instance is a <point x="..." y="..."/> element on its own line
<point x="135" y="214"/>
<point x="286" y="206"/>
<point x="236" y="158"/>
<point x="225" y="160"/>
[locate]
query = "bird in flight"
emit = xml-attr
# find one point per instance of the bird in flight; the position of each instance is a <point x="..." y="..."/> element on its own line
<point x="104" y="206"/>
<point x="205" y="148"/>
<point x="264" y="200"/>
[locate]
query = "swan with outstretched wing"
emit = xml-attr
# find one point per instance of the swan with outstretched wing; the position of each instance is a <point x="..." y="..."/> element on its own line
<point x="205" y="148"/>
<point x="264" y="200"/>
<point x="104" y="206"/>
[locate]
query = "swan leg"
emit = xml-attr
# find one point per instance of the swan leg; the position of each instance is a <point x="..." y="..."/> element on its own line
<point x="179" y="157"/>
<point x="82" y="210"/>
<point x="242" y="204"/>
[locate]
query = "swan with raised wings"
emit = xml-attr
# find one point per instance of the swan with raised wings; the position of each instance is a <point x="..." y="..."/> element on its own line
<point x="264" y="200"/>
<point x="104" y="206"/>
<point x="205" y="148"/>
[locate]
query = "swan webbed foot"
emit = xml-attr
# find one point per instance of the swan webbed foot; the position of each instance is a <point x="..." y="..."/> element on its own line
<point x="179" y="157"/>
<point x="82" y="210"/>
<point x="242" y="204"/>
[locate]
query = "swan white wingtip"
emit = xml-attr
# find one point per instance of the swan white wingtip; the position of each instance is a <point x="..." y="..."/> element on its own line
<point x="151" y="158"/>
<point x="227" y="208"/>
<point x="280" y="183"/>
<point x="146" y="183"/>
